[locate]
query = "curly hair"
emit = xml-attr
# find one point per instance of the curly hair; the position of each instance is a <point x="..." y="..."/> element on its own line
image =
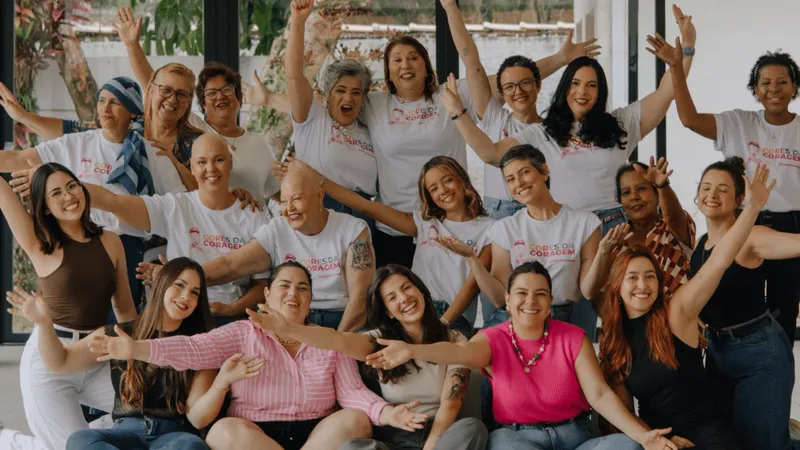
<point x="775" y="59"/>
<point x="213" y="70"/>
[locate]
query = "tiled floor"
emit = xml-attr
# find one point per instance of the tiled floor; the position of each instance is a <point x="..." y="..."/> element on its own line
<point x="12" y="416"/>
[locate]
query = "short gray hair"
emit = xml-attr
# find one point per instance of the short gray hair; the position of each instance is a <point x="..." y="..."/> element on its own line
<point x="347" y="67"/>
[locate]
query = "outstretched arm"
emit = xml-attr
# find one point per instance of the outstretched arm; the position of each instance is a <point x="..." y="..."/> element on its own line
<point x="593" y="278"/>
<point x="129" y="29"/>
<point x="296" y="82"/>
<point x="676" y="218"/>
<point x="122" y="300"/>
<point x="250" y="259"/>
<point x="19" y="221"/>
<point x="46" y="127"/>
<point x="475" y="354"/>
<point x="129" y="209"/>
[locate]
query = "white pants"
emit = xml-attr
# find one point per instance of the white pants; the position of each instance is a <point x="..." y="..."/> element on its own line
<point x="52" y="400"/>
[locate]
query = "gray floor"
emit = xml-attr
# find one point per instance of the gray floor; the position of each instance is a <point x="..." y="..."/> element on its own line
<point x="13" y="417"/>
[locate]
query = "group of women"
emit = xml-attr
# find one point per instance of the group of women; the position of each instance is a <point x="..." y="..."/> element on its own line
<point x="688" y="331"/>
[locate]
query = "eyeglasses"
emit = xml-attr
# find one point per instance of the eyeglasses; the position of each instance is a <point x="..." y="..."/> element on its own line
<point x="226" y="90"/>
<point x="525" y="85"/>
<point x="166" y="92"/>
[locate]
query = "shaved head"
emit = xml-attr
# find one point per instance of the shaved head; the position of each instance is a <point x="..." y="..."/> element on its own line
<point x="208" y="145"/>
<point x="301" y="201"/>
<point x="211" y="162"/>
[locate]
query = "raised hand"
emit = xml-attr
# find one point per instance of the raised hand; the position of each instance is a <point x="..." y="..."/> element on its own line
<point x="451" y="98"/>
<point x="455" y="246"/>
<point x="268" y="319"/>
<point x="656" y="173"/>
<point x="395" y="354"/>
<point x="238" y="368"/>
<point x="688" y="32"/>
<point x="257" y="93"/>
<point x="672" y="56"/>
<point x="615" y="237"/>
<point x="403" y="418"/>
<point x="9" y="102"/>
<point x="247" y="199"/>
<point x="682" y="442"/>
<point x="571" y="50"/>
<point x="756" y="190"/>
<point x="147" y="271"/>
<point x="301" y="9"/>
<point x="30" y="306"/>
<point x="128" y="27"/>
<point x="118" y="347"/>
<point x="21" y="179"/>
<point x="656" y="440"/>
<point x="279" y="169"/>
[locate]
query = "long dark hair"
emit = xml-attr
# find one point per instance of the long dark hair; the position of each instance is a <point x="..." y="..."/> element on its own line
<point x="433" y="330"/>
<point x="431" y="85"/>
<point x="598" y="127"/>
<point x="138" y="377"/>
<point x="472" y="198"/>
<point x="45" y="225"/>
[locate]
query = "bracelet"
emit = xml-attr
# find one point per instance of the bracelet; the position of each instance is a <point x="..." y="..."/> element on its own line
<point x="218" y="389"/>
<point x="688" y="51"/>
<point x="459" y="114"/>
<point x="666" y="184"/>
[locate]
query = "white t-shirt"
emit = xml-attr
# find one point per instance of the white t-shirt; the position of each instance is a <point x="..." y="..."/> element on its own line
<point x="198" y="232"/>
<point x="748" y="135"/>
<point x="442" y="271"/>
<point x="324" y="254"/>
<point x="252" y="160"/>
<point x="424" y="386"/>
<point x="344" y="157"/>
<point x="91" y="156"/>
<point x="582" y="176"/>
<point x="406" y="135"/>
<point x="555" y="243"/>
<point x="498" y="123"/>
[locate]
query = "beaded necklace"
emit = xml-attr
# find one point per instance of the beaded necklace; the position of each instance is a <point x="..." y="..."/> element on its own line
<point x="532" y="361"/>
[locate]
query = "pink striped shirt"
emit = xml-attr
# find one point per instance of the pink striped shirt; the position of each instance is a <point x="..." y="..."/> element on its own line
<point x="304" y="388"/>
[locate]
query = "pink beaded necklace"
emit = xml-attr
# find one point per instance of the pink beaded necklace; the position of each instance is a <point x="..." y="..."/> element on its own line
<point x="532" y="361"/>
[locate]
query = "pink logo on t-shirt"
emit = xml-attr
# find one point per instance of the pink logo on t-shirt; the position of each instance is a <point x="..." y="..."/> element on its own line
<point x="93" y="172"/>
<point x="772" y="156"/>
<point x="199" y="241"/>
<point x="419" y="115"/>
<point x="575" y="146"/>
<point x="324" y="267"/>
<point x="289" y="257"/>
<point x="195" y="239"/>
<point x="544" y="253"/>
<point x="340" y="136"/>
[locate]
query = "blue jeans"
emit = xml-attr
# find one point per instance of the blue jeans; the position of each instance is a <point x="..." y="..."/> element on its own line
<point x="328" y="318"/>
<point x="499" y="209"/>
<point x="135" y="433"/>
<point x="570" y="435"/>
<point x="461" y="324"/>
<point x="752" y="377"/>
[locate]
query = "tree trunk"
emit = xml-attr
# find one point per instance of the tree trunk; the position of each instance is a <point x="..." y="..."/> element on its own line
<point x="77" y="76"/>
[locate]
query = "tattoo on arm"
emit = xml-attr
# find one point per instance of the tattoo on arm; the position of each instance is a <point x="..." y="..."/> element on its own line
<point x="459" y="380"/>
<point x="465" y="51"/>
<point x="362" y="258"/>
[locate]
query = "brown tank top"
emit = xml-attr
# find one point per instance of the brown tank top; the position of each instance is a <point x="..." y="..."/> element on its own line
<point x="79" y="292"/>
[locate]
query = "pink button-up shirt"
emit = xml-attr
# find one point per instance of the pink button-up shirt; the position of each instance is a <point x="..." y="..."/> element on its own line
<point x="287" y="389"/>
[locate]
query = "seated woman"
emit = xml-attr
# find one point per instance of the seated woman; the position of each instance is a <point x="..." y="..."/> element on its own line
<point x="451" y="209"/>
<point x="544" y="374"/>
<point x="657" y="219"/>
<point x="399" y="306"/>
<point x="291" y="402"/>
<point x="154" y="407"/>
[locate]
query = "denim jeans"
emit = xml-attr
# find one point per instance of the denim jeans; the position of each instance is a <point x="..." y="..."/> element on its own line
<point x="783" y="286"/>
<point x="461" y="324"/>
<point x="329" y="318"/>
<point x="139" y="433"/>
<point x="572" y="435"/>
<point x="751" y="378"/>
<point x="500" y="209"/>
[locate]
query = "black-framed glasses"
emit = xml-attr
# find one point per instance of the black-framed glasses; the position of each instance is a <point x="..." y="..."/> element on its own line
<point x="166" y="92"/>
<point x="226" y="90"/>
<point x="525" y="85"/>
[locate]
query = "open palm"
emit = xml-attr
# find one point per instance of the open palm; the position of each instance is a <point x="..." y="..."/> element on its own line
<point x="30" y="306"/>
<point x="128" y="27"/>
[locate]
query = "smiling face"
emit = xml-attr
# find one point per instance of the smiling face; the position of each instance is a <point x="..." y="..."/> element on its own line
<point x="65" y="198"/>
<point x="775" y="88"/>
<point x="112" y="114"/>
<point x="180" y="299"/>
<point x="583" y="92"/>
<point x="716" y="196"/>
<point x="345" y="100"/>
<point x="639" y="289"/>
<point x="211" y="162"/>
<point x="517" y="97"/>
<point x="407" y="68"/>
<point x="224" y="106"/>
<point x="301" y="200"/>
<point x="403" y="301"/>
<point x="170" y="109"/>
<point x="638" y="197"/>
<point x="528" y="300"/>
<point x="445" y="189"/>
<point x="290" y="294"/>
<point x="524" y="181"/>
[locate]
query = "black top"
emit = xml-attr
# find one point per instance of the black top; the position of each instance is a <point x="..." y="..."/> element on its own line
<point x="155" y="403"/>
<point x="667" y="398"/>
<point x="740" y="295"/>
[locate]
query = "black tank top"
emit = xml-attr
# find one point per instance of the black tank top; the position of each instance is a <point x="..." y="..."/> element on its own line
<point x="667" y="398"/>
<point x="739" y="296"/>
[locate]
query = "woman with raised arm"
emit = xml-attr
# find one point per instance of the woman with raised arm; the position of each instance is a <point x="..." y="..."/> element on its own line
<point x="82" y="276"/>
<point x="543" y="372"/>
<point x="749" y="361"/>
<point x="651" y="346"/>
<point x="769" y="136"/>
<point x="451" y="209"/>
<point x="289" y="403"/>
<point x="657" y="219"/>
<point x="399" y="306"/>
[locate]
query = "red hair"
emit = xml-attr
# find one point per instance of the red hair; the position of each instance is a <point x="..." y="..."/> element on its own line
<point x="615" y="351"/>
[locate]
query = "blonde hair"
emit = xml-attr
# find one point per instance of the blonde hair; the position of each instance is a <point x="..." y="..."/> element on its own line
<point x="184" y="128"/>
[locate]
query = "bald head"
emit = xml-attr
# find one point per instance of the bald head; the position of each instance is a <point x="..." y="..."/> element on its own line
<point x="209" y="144"/>
<point x="211" y="162"/>
<point x="301" y="201"/>
<point x="301" y="180"/>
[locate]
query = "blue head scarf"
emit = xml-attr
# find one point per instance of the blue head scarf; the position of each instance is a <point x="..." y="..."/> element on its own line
<point x="131" y="169"/>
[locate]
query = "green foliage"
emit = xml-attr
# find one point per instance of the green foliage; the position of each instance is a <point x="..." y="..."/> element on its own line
<point x="263" y="21"/>
<point x="177" y="24"/>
